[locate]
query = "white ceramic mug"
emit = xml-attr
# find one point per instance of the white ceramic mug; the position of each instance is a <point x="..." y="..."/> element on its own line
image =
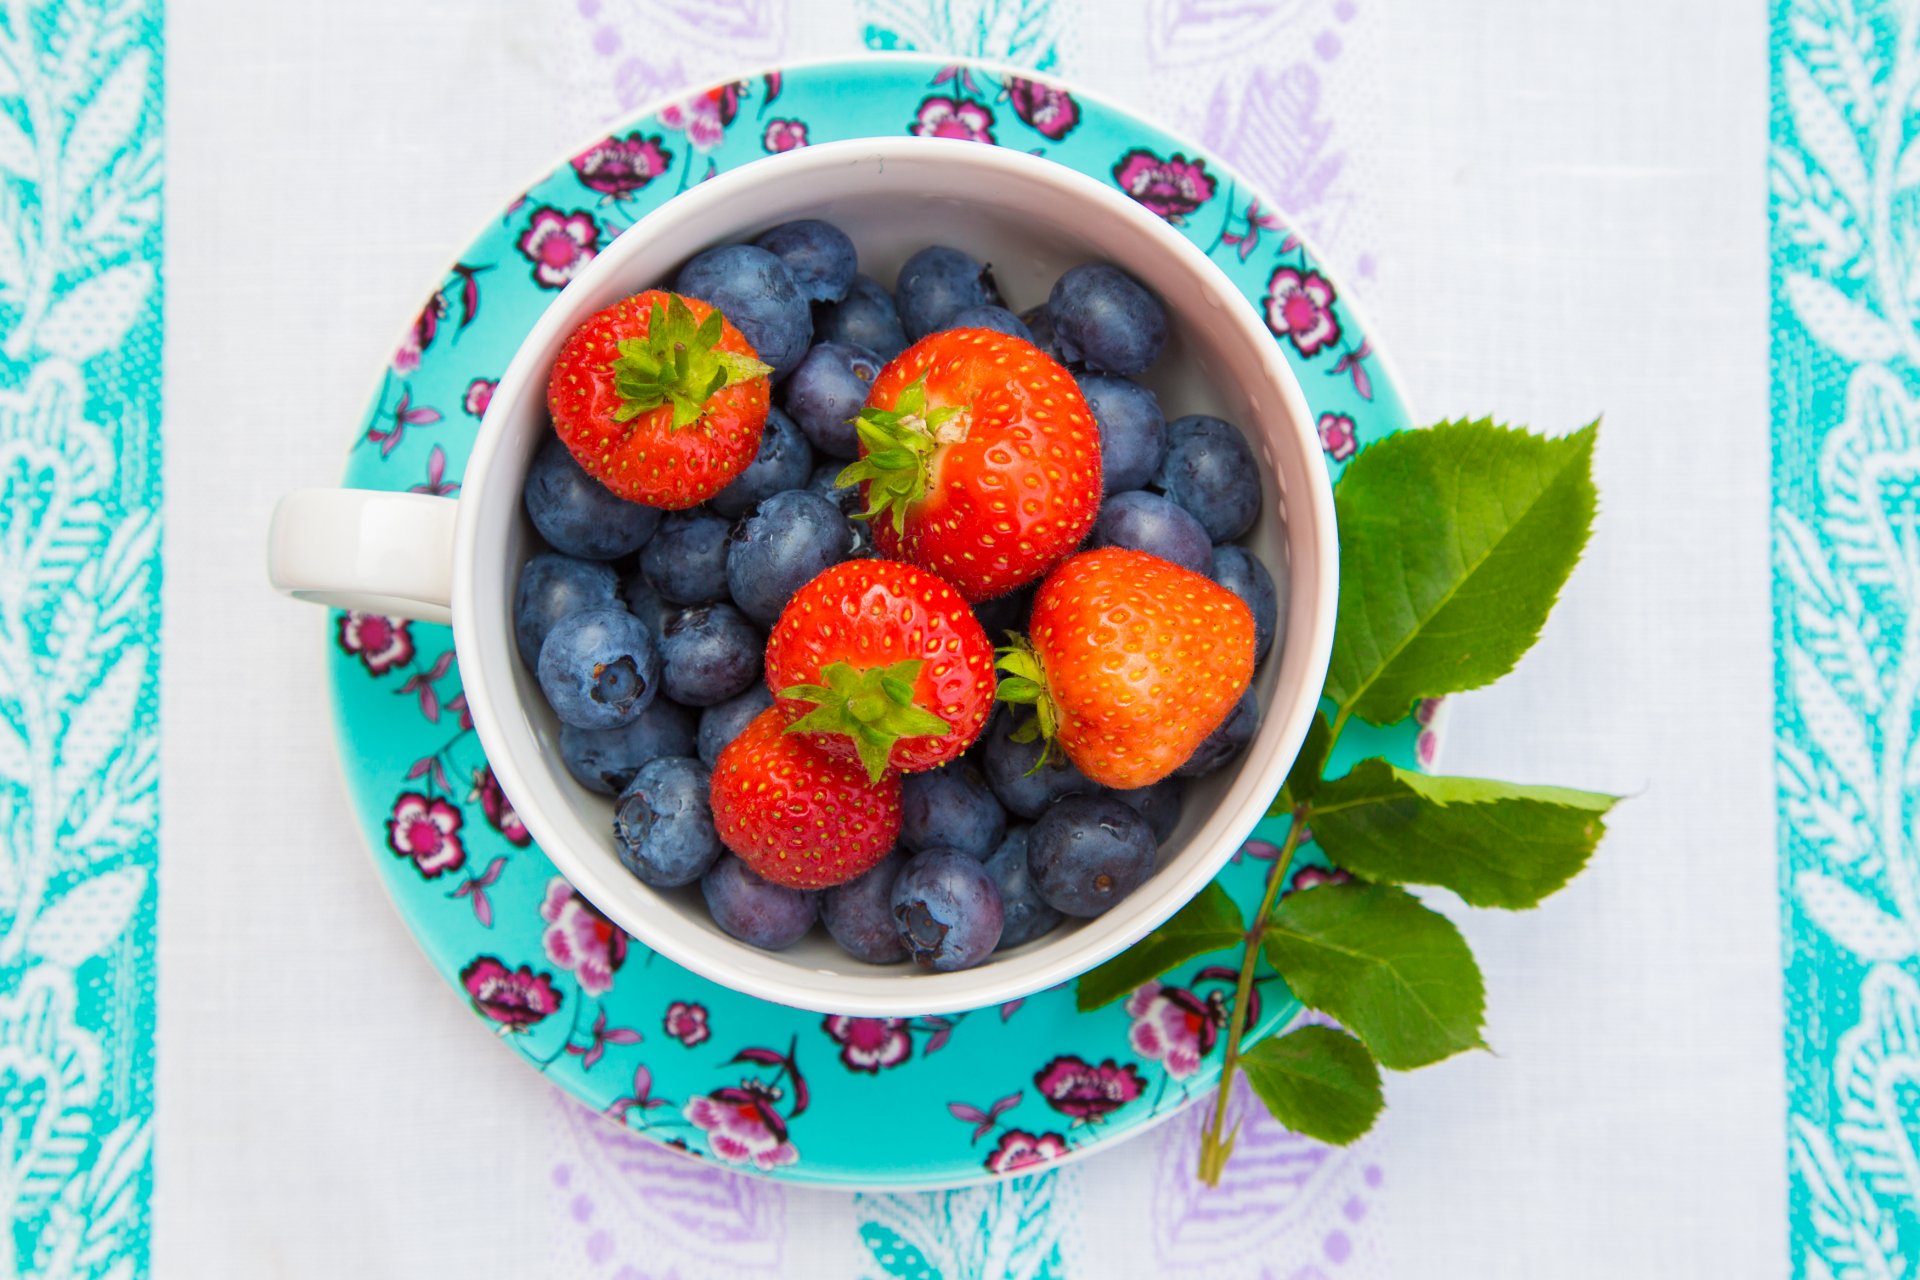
<point x="440" y="559"/>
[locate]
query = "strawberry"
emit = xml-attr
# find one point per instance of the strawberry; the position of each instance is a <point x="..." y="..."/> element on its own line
<point x="660" y="399"/>
<point x="882" y="662"/>
<point x="980" y="458"/>
<point x="1131" y="662"/>
<point x="797" y="815"/>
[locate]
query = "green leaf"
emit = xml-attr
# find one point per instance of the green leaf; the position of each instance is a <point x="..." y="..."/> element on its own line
<point x="1210" y="922"/>
<point x="1496" y="844"/>
<point x="1303" y="780"/>
<point x="1318" y="1081"/>
<point x="1454" y="543"/>
<point x="874" y="708"/>
<point x="1400" y="976"/>
<point x="676" y="363"/>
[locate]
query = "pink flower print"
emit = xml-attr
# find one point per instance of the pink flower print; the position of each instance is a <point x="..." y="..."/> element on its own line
<point x="1308" y="877"/>
<point x="1074" y="1087"/>
<point x="1019" y="1150"/>
<point x="428" y="831"/>
<point x="559" y="245"/>
<point x="784" y="135"/>
<point x="581" y="940"/>
<point x="381" y="643"/>
<point x="1174" y="1027"/>
<point x="705" y="116"/>
<point x="618" y="167"/>
<point x="514" y="998"/>
<point x="479" y="396"/>
<point x="1300" y="306"/>
<point x="687" y="1023"/>
<point x="436" y="482"/>
<point x="1049" y="111"/>
<point x="870" y="1044"/>
<point x="943" y="117"/>
<point x="601" y="1036"/>
<point x="421" y="336"/>
<point x="1336" y="436"/>
<point x="499" y="809"/>
<point x="1172" y="188"/>
<point x="742" y="1127"/>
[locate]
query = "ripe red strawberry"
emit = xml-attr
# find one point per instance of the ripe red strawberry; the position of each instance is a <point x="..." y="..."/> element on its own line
<point x="797" y="815"/>
<point x="882" y="662"/>
<point x="981" y="460"/>
<point x="660" y="399"/>
<point x="1131" y="662"/>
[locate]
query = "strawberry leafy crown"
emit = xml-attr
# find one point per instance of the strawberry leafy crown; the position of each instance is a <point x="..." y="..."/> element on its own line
<point x="679" y="362"/>
<point x="900" y="444"/>
<point x="1024" y="683"/>
<point x="875" y="708"/>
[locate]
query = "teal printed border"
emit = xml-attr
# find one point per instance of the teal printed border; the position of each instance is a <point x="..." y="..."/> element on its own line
<point x="80" y="356"/>
<point x="1845" y="179"/>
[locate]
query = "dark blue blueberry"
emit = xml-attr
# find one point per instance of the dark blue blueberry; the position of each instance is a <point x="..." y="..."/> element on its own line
<point x="1210" y="471"/>
<point x="756" y="911"/>
<point x="1024" y="916"/>
<point x="947" y="909"/>
<point x="938" y="283"/>
<point x="687" y="560"/>
<point x="780" y="548"/>
<point x="818" y="255"/>
<point x="987" y="316"/>
<point x="950" y="807"/>
<point x="866" y="317"/>
<point x="605" y="760"/>
<point x="1005" y="613"/>
<point x="1039" y="324"/>
<point x="826" y="392"/>
<point x="722" y="722"/>
<point x="663" y="825"/>
<point x="1159" y="804"/>
<point x="859" y="913"/>
<point x="1240" y="571"/>
<point x="551" y="587"/>
<point x="708" y="654"/>
<point x="1007" y="763"/>
<point x="784" y="462"/>
<point x="1153" y="524"/>
<point x="1106" y="318"/>
<point x="1224" y="743"/>
<point x="1133" y="431"/>
<point x="1088" y="852"/>
<point x="755" y="291"/>
<point x="599" y="668"/>
<point x="848" y="499"/>
<point x="643" y="602"/>
<point x="577" y="514"/>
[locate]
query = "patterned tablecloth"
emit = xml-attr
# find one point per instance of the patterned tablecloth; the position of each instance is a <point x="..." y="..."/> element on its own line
<point x="1548" y="209"/>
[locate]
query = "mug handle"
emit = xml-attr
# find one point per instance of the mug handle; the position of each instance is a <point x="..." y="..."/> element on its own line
<point x="366" y="550"/>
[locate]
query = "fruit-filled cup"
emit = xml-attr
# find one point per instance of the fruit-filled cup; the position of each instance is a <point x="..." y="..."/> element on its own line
<point x="1070" y="255"/>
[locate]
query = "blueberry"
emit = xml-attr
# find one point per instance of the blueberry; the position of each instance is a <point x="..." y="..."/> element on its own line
<point x="722" y="722"/>
<point x="948" y="910"/>
<point x="755" y="291"/>
<point x="1039" y="322"/>
<point x="1159" y="804"/>
<point x="950" y="807"/>
<point x="1210" y="471"/>
<point x="663" y="825"/>
<point x="784" y="462"/>
<point x="1025" y="917"/>
<point x="643" y="602"/>
<point x="1007" y="763"/>
<point x="1226" y="741"/>
<point x="988" y="316"/>
<point x="708" y="654"/>
<point x="826" y="392"/>
<point x="1103" y="316"/>
<point x="756" y="911"/>
<point x="579" y="515"/>
<point x="1005" y="613"/>
<point x="1133" y="431"/>
<point x="780" y="548"/>
<point x="818" y="255"/>
<point x="605" y="760"/>
<point x="823" y="482"/>
<point x="687" y="560"/>
<point x="1240" y="571"/>
<point x="551" y="587"/>
<point x="1153" y="524"/>
<point x="599" y="668"/>
<point x="859" y="913"/>
<point x="1088" y="852"/>
<point x="866" y="317"/>
<point x="937" y="284"/>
